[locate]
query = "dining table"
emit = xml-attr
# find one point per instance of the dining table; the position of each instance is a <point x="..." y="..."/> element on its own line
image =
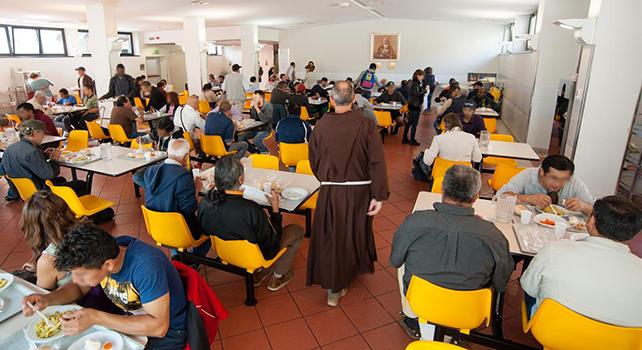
<point x="486" y="112"/>
<point x="388" y="106"/>
<point x="61" y="109"/>
<point x="513" y="150"/>
<point x="13" y="323"/>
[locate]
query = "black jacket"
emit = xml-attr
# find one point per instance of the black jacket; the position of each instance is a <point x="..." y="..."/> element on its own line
<point x="417" y="93"/>
<point x="279" y="97"/>
<point x="120" y="85"/>
<point x="156" y="99"/>
<point x="236" y="218"/>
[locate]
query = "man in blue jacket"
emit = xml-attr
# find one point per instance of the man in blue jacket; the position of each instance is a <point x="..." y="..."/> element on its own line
<point x="292" y="129"/>
<point x="169" y="187"/>
<point x="220" y="123"/>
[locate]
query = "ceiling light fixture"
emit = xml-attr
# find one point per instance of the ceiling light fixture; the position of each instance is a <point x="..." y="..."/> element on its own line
<point x="367" y="8"/>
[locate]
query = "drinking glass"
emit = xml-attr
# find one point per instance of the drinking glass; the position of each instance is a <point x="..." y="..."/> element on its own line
<point x="484" y="138"/>
<point x="504" y="207"/>
<point x="105" y="151"/>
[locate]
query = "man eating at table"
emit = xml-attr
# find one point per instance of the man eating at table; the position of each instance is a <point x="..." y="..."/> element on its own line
<point x="220" y="123"/>
<point x="26" y="111"/>
<point x="552" y="183"/>
<point x="450" y="246"/>
<point x="137" y="277"/>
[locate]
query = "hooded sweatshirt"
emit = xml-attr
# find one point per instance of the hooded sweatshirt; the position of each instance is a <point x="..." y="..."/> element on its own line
<point x="170" y="188"/>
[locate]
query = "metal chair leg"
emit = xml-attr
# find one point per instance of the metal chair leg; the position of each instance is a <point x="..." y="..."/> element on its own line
<point x="250" y="300"/>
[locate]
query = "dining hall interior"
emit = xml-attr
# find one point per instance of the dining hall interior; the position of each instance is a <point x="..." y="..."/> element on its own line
<point x="330" y="174"/>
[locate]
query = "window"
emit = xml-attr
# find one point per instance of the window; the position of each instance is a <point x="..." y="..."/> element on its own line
<point x="128" y="44"/>
<point x="214" y="50"/>
<point x="32" y="41"/>
<point x="83" y="43"/>
<point x="4" y="41"/>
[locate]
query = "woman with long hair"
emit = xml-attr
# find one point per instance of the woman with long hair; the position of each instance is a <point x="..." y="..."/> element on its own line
<point x="172" y="102"/>
<point x="454" y="144"/>
<point x="415" y="102"/>
<point x="46" y="219"/>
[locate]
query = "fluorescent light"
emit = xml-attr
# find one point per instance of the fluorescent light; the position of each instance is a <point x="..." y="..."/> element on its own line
<point x="367" y="8"/>
<point x="565" y="26"/>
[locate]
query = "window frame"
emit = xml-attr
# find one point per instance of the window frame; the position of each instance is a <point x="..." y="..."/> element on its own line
<point x="12" y="46"/>
<point x="84" y="31"/>
<point x="9" y="41"/>
<point x="131" y="44"/>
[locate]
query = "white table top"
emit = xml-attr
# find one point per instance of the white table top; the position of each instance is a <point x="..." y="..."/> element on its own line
<point x="317" y="102"/>
<point x="117" y="166"/>
<point x="486" y="112"/>
<point x="515" y="150"/>
<point x="18" y="322"/>
<point x="150" y="116"/>
<point x="67" y="109"/>
<point x="375" y="94"/>
<point x="388" y="106"/>
<point x="51" y="139"/>
<point x="248" y="124"/>
<point x="483" y="208"/>
<point x="254" y="177"/>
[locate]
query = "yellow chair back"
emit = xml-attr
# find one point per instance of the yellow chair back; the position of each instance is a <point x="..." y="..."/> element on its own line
<point x="459" y="309"/>
<point x="77" y="140"/>
<point x="384" y="118"/>
<point x="117" y="133"/>
<point x="188" y="137"/>
<point x="292" y="153"/>
<point x="268" y="96"/>
<point x="249" y="95"/>
<point x="134" y="144"/>
<point x="247" y="104"/>
<point x="558" y="327"/>
<point x="213" y="146"/>
<point x="182" y="97"/>
<point x="303" y="167"/>
<point x="14" y="118"/>
<point x="437" y="184"/>
<point x="96" y="131"/>
<point x="77" y="96"/>
<point x="431" y="345"/>
<point x="242" y="254"/>
<point x="502" y="137"/>
<point x="491" y="125"/>
<point x="502" y="175"/>
<point x="26" y="188"/>
<point x="170" y="230"/>
<point x="440" y="166"/>
<point x="496" y="93"/>
<point x="69" y="196"/>
<point x="305" y="116"/>
<point x="265" y="161"/>
<point x="139" y="103"/>
<point x="204" y="106"/>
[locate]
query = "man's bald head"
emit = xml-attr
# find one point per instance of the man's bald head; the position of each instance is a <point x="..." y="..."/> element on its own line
<point x="193" y="101"/>
<point x="343" y="93"/>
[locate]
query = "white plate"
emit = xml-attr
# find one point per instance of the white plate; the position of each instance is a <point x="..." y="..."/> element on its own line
<point x="564" y="211"/>
<point x="294" y="193"/>
<point x="544" y="216"/>
<point x="9" y="278"/>
<point x="30" y="331"/>
<point x="1" y="304"/>
<point x="101" y="336"/>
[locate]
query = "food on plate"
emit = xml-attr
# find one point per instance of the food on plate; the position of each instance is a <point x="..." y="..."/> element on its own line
<point x="91" y="344"/>
<point x="107" y="346"/>
<point x="43" y="331"/>
<point x="3" y="282"/>
<point x="548" y="222"/>
<point x="135" y="155"/>
<point x="519" y="208"/>
<point x="577" y="224"/>
<point x="551" y="209"/>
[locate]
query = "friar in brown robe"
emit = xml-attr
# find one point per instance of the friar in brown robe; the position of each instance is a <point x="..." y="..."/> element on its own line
<point x="346" y="155"/>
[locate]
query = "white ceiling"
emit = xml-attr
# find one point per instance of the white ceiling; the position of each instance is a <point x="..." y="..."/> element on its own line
<point x="280" y="14"/>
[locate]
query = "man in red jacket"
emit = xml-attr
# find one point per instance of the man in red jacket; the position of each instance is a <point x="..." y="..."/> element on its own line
<point x="26" y="111"/>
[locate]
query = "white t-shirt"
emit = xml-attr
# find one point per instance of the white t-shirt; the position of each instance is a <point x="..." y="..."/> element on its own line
<point x="189" y="119"/>
<point x="454" y="145"/>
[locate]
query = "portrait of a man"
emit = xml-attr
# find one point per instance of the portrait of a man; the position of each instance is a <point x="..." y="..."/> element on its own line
<point x="384" y="47"/>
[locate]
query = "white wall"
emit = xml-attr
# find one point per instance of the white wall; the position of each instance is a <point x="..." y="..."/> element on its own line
<point x="608" y="109"/>
<point x="452" y="48"/>
<point x="516" y="73"/>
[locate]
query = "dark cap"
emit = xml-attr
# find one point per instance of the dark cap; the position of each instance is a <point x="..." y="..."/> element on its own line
<point x="470" y="104"/>
<point x="81" y="68"/>
<point x="390" y="83"/>
<point x="235" y="67"/>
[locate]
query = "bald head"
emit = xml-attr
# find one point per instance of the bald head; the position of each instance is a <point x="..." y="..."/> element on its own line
<point x="343" y="94"/>
<point x="40" y="96"/>
<point x="193" y="101"/>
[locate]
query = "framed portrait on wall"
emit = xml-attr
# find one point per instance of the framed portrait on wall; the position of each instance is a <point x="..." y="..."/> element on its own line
<point x="384" y="47"/>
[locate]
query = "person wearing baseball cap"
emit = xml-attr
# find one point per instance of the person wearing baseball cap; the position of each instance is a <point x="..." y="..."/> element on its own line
<point x="24" y="159"/>
<point x="234" y="86"/>
<point x="472" y="124"/>
<point x="84" y="79"/>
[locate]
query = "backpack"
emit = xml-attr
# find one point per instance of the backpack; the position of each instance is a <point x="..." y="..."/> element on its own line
<point x="367" y="80"/>
<point x="420" y="171"/>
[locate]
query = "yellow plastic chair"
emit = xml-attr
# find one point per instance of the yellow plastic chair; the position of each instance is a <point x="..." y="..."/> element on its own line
<point x="303" y="167"/>
<point x="305" y="116"/>
<point x="213" y="146"/>
<point x="495" y="92"/>
<point x="188" y="137"/>
<point x="437" y="185"/>
<point x="96" y="131"/>
<point x="440" y="166"/>
<point x="204" y="106"/>
<point x="182" y="97"/>
<point x="26" y="188"/>
<point x="170" y="230"/>
<point x="265" y="161"/>
<point x="139" y="103"/>
<point x="502" y="175"/>
<point x="268" y="96"/>
<point x="292" y="153"/>
<point x="134" y="145"/>
<point x="384" y="118"/>
<point x="82" y="206"/>
<point x="243" y="254"/>
<point x="118" y="134"/>
<point x="491" y="125"/>
<point x="249" y="95"/>
<point x="558" y="327"/>
<point x="432" y="345"/>
<point x="77" y="140"/>
<point x="247" y="104"/>
<point x="459" y="309"/>
<point x="78" y="99"/>
<point x="14" y="118"/>
<point x="494" y="161"/>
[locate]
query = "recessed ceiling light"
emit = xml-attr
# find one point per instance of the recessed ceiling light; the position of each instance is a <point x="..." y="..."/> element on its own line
<point x="200" y="3"/>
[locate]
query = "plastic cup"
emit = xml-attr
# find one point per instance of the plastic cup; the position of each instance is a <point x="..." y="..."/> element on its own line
<point x="560" y="228"/>
<point x="526" y="216"/>
<point x="267" y="187"/>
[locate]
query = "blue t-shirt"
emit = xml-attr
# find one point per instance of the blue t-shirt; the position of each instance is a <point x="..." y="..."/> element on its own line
<point x="146" y="275"/>
<point x="69" y="99"/>
<point x="219" y="124"/>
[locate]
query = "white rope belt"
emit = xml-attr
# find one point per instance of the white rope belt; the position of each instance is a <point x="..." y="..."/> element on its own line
<point x="347" y="183"/>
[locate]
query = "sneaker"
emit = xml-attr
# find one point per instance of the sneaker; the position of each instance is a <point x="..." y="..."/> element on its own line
<point x="333" y="298"/>
<point x="278" y="283"/>
<point x="261" y="276"/>
<point x="410" y="326"/>
<point x="414" y="143"/>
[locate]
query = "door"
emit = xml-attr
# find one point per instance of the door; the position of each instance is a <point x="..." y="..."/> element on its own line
<point x="153" y="65"/>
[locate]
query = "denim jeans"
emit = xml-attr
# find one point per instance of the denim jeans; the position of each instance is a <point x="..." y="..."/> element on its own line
<point x="258" y="139"/>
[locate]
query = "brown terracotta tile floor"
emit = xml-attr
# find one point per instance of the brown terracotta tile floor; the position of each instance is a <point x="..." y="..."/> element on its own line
<point x="296" y="317"/>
